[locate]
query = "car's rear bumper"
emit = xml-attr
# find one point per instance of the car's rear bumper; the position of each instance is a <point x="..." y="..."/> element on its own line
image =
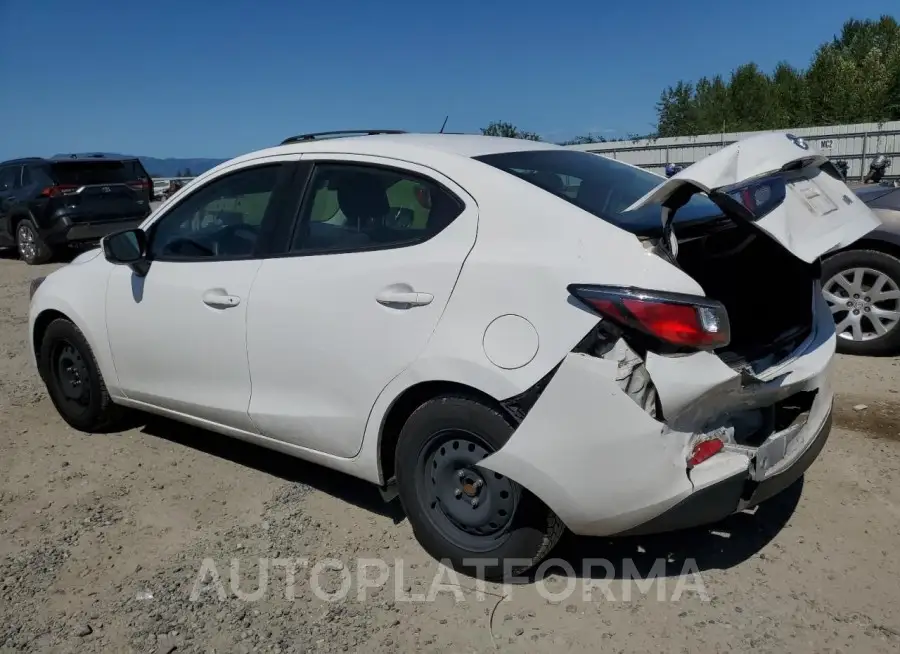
<point x="606" y="467"/>
<point x="735" y="493"/>
<point x="66" y="231"/>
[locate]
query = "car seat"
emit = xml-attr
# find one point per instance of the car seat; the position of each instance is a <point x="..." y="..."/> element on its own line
<point x="362" y="199"/>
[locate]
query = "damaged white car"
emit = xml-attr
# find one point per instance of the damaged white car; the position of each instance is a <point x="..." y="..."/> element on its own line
<point x="511" y="334"/>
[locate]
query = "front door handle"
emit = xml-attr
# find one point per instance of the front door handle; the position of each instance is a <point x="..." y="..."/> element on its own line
<point x="219" y="299"/>
<point x="391" y="297"/>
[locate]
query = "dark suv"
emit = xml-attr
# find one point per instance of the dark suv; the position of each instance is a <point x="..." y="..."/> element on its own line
<point x="49" y="204"/>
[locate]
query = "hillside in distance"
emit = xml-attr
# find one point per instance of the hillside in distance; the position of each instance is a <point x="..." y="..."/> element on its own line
<point x="169" y="167"/>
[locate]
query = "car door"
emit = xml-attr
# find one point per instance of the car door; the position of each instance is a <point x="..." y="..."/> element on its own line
<point x="178" y="334"/>
<point x="372" y="261"/>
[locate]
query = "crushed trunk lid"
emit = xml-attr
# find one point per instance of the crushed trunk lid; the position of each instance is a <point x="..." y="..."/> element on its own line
<point x="817" y="214"/>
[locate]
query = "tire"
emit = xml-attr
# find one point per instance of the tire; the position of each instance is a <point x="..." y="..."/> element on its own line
<point x="878" y="268"/>
<point x="438" y="483"/>
<point x="31" y="247"/>
<point x="72" y="376"/>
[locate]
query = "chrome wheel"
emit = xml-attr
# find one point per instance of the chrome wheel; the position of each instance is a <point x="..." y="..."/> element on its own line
<point x="25" y="242"/>
<point x="864" y="302"/>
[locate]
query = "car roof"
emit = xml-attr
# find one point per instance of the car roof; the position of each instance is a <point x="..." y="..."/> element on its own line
<point x="63" y="157"/>
<point x="21" y="161"/>
<point x="60" y="158"/>
<point x="396" y="145"/>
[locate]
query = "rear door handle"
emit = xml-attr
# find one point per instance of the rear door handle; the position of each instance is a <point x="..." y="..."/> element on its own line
<point x="218" y="298"/>
<point x="408" y="298"/>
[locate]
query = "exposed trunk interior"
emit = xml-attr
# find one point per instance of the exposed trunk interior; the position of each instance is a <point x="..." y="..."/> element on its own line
<point x="767" y="291"/>
<point x="753" y="426"/>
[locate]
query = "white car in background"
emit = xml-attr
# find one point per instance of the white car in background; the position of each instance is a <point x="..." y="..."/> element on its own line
<point x="481" y="329"/>
<point x="159" y="187"/>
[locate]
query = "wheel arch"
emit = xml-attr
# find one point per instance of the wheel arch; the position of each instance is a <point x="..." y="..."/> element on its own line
<point x="41" y="322"/>
<point x="15" y="217"/>
<point x="883" y="245"/>
<point x="411" y="399"/>
<point x="20" y="214"/>
<point x="61" y="295"/>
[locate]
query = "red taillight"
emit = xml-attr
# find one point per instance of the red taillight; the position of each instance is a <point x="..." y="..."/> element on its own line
<point x="704" y="450"/>
<point x="683" y="321"/>
<point x="59" y="189"/>
<point x="759" y="196"/>
<point x="679" y="324"/>
<point x="140" y="184"/>
<point x="747" y="199"/>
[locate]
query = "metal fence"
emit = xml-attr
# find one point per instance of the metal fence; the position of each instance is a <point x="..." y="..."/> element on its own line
<point x="857" y="144"/>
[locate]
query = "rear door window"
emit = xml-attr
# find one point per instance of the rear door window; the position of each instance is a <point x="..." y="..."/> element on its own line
<point x="86" y="173"/>
<point x="360" y="207"/>
<point x="25" y="181"/>
<point x="8" y="177"/>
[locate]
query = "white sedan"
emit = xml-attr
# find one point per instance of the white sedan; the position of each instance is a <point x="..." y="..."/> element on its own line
<point x="477" y="323"/>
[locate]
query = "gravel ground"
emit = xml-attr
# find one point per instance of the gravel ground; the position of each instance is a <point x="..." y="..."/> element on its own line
<point x="112" y="543"/>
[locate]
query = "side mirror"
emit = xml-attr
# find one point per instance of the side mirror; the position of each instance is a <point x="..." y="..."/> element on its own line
<point x="127" y="248"/>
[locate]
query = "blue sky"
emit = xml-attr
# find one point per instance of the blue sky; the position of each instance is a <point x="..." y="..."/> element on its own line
<point x="198" y="78"/>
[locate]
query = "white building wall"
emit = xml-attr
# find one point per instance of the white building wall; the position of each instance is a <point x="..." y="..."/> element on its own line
<point x="858" y="144"/>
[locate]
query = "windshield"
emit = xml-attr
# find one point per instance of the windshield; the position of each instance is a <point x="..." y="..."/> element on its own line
<point x="597" y="184"/>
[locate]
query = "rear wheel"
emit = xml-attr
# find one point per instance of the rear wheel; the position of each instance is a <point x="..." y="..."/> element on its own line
<point x="31" y="247"/>
<point x="475" y="520"/>
<point x="73" y="379"/>
<point x="862" y="288"/>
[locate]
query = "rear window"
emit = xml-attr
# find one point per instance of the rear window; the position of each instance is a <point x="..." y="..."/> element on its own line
<point x="597" y="184"/>
<point x="96" y="172"/>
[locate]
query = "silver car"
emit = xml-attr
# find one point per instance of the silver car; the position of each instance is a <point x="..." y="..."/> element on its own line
<point x="861" y="283"/>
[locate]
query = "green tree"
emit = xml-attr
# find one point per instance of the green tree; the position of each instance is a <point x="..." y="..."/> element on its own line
<point x="711" y="105"/>
<point x="750" y="98"/>
<point x="854" y="77"/>
<point x="500" y="128"/>
<point x="584" y="140"/>
<point x="790" y="97"/>
<point x="677" y="111"/>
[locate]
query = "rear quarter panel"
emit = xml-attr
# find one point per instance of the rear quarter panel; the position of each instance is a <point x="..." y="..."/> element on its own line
<point x="530" y="246"/>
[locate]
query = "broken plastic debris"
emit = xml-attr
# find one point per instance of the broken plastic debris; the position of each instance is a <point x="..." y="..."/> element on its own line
<point x="860" y="407"/>
<point x="144" y="595"/>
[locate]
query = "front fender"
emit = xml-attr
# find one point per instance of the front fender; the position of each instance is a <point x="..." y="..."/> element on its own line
<point x="78" y="292"/>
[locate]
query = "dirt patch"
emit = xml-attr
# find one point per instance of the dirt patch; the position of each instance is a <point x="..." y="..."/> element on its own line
<point x="104" y="539"/>
<point x="875" y="418"/>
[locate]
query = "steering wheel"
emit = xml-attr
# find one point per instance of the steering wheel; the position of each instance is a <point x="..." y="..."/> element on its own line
<point x="224" y="237"/>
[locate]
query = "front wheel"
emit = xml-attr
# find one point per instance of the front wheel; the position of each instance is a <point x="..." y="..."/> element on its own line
<point x="862" y="288"/>
<point x="74" y="382"/>
<point x="475" y="520"/>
